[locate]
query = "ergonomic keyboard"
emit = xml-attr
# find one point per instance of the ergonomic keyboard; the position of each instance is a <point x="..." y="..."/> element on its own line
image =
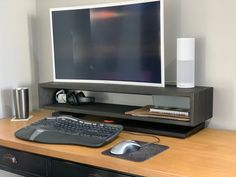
<point x="70" y="130"/>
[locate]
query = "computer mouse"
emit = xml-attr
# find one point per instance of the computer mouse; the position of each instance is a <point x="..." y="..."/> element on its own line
<point x="125" y="147"/>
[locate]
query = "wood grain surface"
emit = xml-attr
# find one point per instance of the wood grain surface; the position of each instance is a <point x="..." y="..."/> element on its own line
<point x="209" y="153"/>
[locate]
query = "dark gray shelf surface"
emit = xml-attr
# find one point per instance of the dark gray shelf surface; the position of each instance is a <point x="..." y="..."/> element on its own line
<point x="168" y="90"/>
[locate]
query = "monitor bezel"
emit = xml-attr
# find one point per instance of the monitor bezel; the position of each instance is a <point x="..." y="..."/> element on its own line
<point x="132" y="83"/>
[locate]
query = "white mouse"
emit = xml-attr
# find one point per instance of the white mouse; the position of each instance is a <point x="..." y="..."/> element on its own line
<point x="125" y="146"/>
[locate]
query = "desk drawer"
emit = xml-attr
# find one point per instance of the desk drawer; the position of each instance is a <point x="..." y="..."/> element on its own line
<point x="22" y="163"/>
<point x="68" y="169"/>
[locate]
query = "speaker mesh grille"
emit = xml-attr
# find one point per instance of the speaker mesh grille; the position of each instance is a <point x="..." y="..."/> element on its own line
<point x="185" y="71"/>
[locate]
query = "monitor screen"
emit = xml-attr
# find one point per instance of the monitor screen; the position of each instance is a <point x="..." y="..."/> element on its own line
<point x="109" y="43"/>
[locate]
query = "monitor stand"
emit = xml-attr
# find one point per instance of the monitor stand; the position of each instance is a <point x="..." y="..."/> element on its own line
<point x="162" y="129"/>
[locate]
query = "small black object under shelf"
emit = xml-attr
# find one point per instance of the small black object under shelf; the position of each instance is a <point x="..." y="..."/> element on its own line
<point x="162" y="129"/>
<point x="177" y="131"/>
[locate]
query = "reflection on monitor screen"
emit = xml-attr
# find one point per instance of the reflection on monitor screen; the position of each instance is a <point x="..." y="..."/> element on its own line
<point x="116" y="43"/>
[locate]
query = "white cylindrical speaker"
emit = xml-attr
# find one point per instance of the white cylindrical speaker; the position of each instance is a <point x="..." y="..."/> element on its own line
<point x="185" y="62"/>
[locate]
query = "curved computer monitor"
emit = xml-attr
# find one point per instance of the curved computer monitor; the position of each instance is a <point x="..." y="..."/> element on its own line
<point x="115" y="43"/>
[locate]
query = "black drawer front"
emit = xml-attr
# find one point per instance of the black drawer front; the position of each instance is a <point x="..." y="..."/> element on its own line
<point x="67" y="169"/>
<point x="25" y="163"/>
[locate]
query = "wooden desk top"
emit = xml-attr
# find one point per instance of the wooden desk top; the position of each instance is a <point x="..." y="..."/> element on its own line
<point x="209" y="153"/>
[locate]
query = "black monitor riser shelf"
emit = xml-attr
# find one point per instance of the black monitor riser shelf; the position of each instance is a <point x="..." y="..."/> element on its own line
<point x="200" y="100"/>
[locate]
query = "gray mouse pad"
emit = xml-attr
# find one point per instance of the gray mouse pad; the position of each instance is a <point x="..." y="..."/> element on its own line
<point x="142" y="154"/>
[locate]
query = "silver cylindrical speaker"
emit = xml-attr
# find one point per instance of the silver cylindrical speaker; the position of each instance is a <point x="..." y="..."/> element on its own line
<point x="185" y="62"/>
<point x="21" y="103"/>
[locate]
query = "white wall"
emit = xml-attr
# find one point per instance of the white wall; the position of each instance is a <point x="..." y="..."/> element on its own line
<point x="213" y="22"/>
<point x="16" y="54"/>
<point x="17" y="64"/>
